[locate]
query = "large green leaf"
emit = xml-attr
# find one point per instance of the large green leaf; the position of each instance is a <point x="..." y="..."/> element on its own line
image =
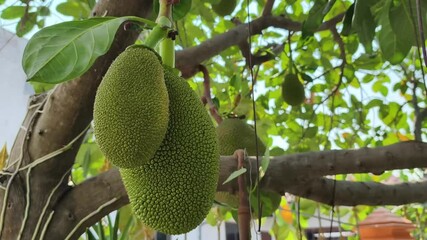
<point x="394" y="49"/>
<point x="403" y="20"/>
<point x="67" y="50"/>
<point x="364" y="22"/>
<point x="347" y="21"/>
<point x="315" y="18"/>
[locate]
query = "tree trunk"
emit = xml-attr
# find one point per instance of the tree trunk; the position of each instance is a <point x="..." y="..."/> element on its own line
<point x="36" y="184"/>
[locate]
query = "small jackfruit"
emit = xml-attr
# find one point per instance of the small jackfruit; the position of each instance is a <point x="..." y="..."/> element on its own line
<point x="131" y="108"/>
<point x="292" y="90"/>
<point x="235" y="133"/>
<point x="224" y="7"/>
<point x="174" y="191"/>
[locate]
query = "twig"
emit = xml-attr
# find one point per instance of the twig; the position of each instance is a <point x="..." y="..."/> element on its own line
<point x="251" y="59"/>
<point x="341" y="45"/>
<point x="268" y="7"/>
<point x="207" y="94"/>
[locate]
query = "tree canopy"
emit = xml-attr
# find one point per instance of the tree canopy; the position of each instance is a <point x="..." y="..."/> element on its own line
<point x="352" y="137"/>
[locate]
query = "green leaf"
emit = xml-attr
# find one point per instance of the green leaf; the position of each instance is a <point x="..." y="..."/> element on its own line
<point x="116" y="227"/>
<point x="347" y="21"/>
<point x="367" y="61"/>
<point x="100" y="230"/>
<point x="315" y="18"/>
<point x="235" y="174"/>
<point x="179" y="10"/>
<point x="13" y="12"/>
<point x="67" y="50"/>
<point x="306" y="77"/>
<point x="364" y="23"/>
<point x="270" y="201"/>
<point x="26" y="24"/>
<point x="44" y="11"/>
<point x="394" y="49"/>
<point x="73" y="8"/>
<point x="3" y="156"/>
<point x="2" y="2"/>
<point x="90" y="235"/>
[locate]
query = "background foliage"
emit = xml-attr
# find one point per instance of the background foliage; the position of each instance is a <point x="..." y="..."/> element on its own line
<point x="363" y="78"/>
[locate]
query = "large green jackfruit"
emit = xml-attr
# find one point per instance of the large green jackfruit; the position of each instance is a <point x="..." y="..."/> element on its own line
<point x="235" y="133"/>
<point x="174" y="191"/>
<point x="131" y="108"/>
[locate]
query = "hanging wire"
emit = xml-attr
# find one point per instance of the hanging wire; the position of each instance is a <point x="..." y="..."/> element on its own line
<point x="333" y="206"/>
<point x="254" y="115"/>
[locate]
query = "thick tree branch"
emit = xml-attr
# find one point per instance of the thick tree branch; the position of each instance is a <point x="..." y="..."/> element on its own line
<point x="83" y="200"/>
<point x="189" y="59"/>
<point x="360" y="193"/>
<point x="299" y="174"/>
<point x="65" y="114"/>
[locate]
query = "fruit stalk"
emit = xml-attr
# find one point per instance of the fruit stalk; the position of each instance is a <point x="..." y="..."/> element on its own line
<point x="167" y="46"/>
<point x="164" y="23"/>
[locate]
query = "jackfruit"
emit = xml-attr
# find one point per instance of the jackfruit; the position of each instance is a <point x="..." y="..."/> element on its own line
<point x="224" y="7"/>
<point x="235" y="133"/>
<point x="131" y="108"/>
<point x="174" y="191"/>
<point x="292" y="90"/>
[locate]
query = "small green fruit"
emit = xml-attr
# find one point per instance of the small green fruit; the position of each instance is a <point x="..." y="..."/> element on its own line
<point x="235" y="133"/>
<point x="224" y="7"/>
<point x="293" y="90"/>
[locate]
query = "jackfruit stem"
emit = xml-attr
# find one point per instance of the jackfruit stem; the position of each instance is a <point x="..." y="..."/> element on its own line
<point x="167" y="52"/>
<point x="157" y="34"/>
<point x="167" y="46"/>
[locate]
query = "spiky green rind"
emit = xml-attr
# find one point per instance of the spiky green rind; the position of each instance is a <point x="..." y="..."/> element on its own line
<point x="235" y="133"/>
<point x="131" y="108"/>
<point x="174" y="191"/>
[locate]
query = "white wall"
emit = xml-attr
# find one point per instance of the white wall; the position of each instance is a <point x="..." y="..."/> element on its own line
<point x="14" y="91"/>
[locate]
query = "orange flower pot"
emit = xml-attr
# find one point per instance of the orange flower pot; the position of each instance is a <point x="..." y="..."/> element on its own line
<point x="382" y="225"/>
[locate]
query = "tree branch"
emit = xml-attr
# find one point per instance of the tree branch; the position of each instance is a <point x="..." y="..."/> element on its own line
<point x="189" y="59"/>
<point x="299" y="174"/>
<point x="85" y="199"/>
<point x="207" y="94"/>
<point x="66" y="113"/>
<point x="360" y="193"/>
<point x="268" y="7"/>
